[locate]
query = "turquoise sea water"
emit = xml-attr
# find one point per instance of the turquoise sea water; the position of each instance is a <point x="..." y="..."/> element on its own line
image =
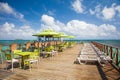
<point x="6" y="43"/>
<point x="108" y="42"/>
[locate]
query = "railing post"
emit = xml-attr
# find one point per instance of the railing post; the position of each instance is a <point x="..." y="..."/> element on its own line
<point x="107" y="49"/>
<point x="111" y="52"/>
<point x="100" y="47"/>
<point x="104" y="48"/>
<point x="116" y="56"/>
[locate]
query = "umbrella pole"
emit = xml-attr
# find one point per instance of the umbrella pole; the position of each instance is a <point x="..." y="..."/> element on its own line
<point x="54" y="43"/>
<point x="38" y="45"/>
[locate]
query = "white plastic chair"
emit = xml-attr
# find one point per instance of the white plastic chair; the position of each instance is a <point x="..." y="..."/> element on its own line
<point x="9" y="58"/>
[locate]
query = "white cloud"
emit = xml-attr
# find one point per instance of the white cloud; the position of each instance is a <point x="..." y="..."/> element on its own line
<point x="7" y="9"/>
<point x="8" y="27"/>
<point x="10" y="31"/>
<point x="49" y="22"/>
<point x="77" y="6"/>
<point x="47" y="19"/>
<point x="86" y="30"/>
<point x="107" y="13"/>
<point x="81" y="29"/>
<point x="96" y="11"/>
<point x="4" y="7"/>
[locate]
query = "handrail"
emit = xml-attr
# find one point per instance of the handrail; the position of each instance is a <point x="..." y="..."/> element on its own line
<point x="109" y="45"/>
<point x="111" y="51"/>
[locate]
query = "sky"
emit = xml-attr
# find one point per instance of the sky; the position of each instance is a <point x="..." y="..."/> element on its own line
<point x="85" y="19"/>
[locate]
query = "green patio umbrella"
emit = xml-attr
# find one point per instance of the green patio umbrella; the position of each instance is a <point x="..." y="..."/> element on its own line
<point x="46" y="33"/>
<point x="60" y="35"/>
<point x="70" y="36"/>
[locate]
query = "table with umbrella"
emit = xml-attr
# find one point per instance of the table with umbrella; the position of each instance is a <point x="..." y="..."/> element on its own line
<point x="47" y="33"/>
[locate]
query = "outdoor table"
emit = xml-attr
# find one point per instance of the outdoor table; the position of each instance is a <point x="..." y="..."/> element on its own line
<point x="24" y="55"/>
<point x="17" y="51"/>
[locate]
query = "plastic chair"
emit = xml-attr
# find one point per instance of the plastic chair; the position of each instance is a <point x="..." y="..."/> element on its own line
<point x="9" y="58"/>
<point x="33" y="58"/>
<point x="2" y="59"/>
<point x="49" y="51"/>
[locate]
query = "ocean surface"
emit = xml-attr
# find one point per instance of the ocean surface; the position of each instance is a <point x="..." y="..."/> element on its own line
<point x="107" y="42"/>
<point x="6" y="43"/>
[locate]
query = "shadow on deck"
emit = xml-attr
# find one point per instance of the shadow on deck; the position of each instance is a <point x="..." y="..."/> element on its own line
<point x="4" y="74"/>
<point x="108" y="72"/>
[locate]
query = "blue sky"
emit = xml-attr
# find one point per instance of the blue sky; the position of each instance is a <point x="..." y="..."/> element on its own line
<point x="85" y="19"/>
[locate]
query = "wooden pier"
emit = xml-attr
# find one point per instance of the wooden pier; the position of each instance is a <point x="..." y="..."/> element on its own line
<point x="65" y="66"/>
<point x="112" y="51"/>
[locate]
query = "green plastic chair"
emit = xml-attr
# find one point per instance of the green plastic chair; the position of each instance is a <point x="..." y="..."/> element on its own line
<point x="49" y="49"/>
<point x="9" y="58"/>
<point x="33" y="58"/>
<point x="2" y="59"/>
<point x="62" y="46"/>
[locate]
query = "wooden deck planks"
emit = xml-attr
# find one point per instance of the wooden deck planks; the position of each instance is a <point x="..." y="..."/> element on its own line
<point x="63" y="67"/>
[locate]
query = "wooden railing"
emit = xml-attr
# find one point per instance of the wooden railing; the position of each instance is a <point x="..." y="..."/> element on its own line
<point x="112" y="51"/>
